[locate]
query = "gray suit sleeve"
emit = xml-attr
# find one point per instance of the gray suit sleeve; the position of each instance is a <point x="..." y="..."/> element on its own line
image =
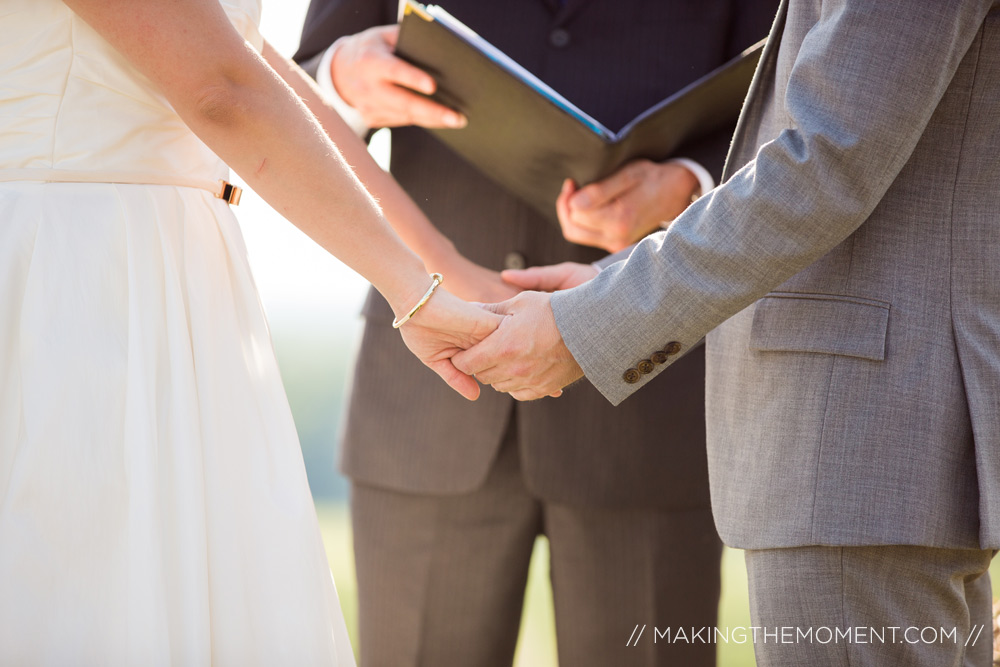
<point x="859" y="94"/>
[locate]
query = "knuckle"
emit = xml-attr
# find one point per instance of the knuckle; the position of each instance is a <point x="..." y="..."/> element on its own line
<point x="588" y="222"/>
<point x="621" y="213"/>
<point x="636" y="172"/>
<point x="396" y="67"/>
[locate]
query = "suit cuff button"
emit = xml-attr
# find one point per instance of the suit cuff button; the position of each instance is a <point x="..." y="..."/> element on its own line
<point x="645" y="366"/>
<point x="632" y="375"/>
<point x="672" y="348"/>
<point x="659" y="357"/>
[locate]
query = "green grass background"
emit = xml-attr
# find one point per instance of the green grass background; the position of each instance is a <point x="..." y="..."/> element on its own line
<point x="315" y="368"/>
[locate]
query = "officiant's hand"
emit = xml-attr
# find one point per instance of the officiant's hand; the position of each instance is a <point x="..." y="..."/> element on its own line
<point x="444" y="326"/>
<point x="525" y="356"/>
<point x="380" y="86"/>
<point x="621" y="209"/>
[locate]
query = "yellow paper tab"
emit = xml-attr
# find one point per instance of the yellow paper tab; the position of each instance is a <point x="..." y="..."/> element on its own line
<point x="418" y="9"/>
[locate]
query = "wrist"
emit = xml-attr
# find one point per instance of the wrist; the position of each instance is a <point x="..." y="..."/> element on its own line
<point x="441" y="256"/>
<point x="705" y="182"/>
<point x="689" y="187"/>
<point x="325" y="80"/>
<point x="689" y="184"/>
<point x="436" y="280"/>
<point x="404" y="288"/>
<point x="335" y="57"/>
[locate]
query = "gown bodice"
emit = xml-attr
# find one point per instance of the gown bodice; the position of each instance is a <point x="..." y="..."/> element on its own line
<point x="71" y="104"/>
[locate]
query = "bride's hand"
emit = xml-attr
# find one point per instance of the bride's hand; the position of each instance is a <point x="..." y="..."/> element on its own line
<point x="472" y="282"/>
<point x="444" y="326"/>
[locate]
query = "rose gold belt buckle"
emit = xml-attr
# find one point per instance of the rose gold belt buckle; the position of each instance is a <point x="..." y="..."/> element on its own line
<point x="230" y="193"/>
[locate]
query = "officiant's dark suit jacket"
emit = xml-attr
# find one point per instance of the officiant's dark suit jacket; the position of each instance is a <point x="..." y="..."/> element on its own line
<point x="408" y="431"/>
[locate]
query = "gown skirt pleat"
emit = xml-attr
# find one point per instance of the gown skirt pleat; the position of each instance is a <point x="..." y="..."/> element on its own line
<point x="154" y="508"/>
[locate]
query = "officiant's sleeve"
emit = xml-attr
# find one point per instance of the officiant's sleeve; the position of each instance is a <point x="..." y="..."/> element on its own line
<point x="329" y="20"/>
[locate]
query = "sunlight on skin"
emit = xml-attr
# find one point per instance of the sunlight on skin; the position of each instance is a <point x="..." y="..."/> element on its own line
<point x="300" y="284"/>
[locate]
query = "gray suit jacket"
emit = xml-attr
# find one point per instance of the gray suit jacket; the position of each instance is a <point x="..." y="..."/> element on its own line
<point x="854" y="256"/>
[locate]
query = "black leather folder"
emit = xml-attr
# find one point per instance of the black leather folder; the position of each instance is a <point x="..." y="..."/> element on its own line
<point x="527" y="137"/>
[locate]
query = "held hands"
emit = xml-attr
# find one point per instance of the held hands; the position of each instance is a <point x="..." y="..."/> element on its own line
<point x="444" y="326"/>
<point x="380" y="86"/>
<point x="623" y="208"/>
<point x="526" y="356"/>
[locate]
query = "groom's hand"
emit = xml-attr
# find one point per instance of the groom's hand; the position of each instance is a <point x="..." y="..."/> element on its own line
<point x="525" y="357"/>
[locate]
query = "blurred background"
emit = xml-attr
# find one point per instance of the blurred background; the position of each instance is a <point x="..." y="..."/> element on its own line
<point x="313" y="304"/>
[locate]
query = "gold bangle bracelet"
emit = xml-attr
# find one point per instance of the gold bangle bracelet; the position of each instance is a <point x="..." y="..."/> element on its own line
<point x="436" y="279"/>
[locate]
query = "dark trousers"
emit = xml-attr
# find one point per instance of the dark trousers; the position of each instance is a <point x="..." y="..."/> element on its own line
<point x="441" y="579"/>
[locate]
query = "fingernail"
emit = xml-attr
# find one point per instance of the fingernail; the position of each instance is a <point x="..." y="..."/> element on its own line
<point x="455" y="120"/>
<point x="581" y="200"/>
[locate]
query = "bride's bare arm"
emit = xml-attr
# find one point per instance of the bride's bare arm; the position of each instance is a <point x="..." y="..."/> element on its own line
<point x="465" y="278"/>
<point x="242" y="109"/>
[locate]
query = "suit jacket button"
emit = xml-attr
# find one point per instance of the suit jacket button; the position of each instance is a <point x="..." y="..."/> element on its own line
<point x="659" y="357"/>
<point x="645" y="366"/>
<point x="514" y="260"/>
<point x="631" y="376"/>
<point x="559" y="38"/>
<point x="672" y="347"/>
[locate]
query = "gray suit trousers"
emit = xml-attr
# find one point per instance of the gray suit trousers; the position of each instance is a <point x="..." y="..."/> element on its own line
<point x="441" y="578"/>
<point x="891" y="605"/>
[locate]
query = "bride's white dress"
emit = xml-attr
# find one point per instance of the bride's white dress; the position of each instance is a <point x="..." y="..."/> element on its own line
<point x="154" y="508"/>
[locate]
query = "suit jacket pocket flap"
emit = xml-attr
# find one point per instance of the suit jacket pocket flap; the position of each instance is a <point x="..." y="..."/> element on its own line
<point x="829" y="324"/>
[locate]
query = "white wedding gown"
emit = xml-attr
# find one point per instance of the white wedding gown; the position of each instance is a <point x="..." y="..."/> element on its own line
<point x="154" y="508"/>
